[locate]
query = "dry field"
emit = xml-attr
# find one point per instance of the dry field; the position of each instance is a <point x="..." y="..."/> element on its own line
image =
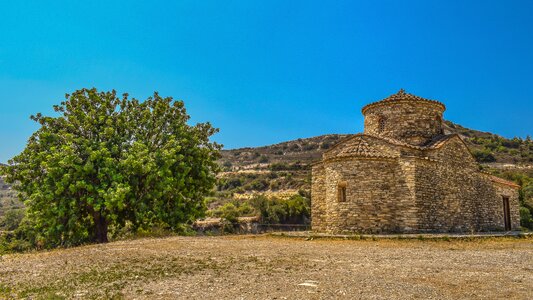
<point x="263" y="267"/>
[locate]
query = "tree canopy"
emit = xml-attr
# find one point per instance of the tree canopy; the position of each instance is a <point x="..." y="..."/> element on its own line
<point x="105" y="162"/>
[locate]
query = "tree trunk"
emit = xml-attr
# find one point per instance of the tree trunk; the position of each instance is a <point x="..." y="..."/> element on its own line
<point x="100" y="227"/>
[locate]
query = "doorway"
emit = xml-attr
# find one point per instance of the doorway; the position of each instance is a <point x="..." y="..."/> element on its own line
<point x="506" y="213"/>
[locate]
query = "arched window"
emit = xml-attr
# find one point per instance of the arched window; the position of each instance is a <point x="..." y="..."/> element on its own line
<point x="439" y="124"/>
<point x="381" y="124"/>
<point x="341" y="192"/>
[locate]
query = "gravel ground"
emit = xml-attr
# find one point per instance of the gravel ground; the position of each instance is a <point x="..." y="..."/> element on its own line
<point x="265" y="267"/>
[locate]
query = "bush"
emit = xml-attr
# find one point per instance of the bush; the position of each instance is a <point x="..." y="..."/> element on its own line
<point x="526" y="220"/>
<point x="325" y="145"/>
<point x="23" y="238"/>
<point x="294" y="148"/>
<point x="311" y="146"/>
<point x="279" y="167"/>
<point x="257" y="185"/>
<point x="483" y="156"/>
<point x="263" y="159"/>
<point x="12" y="219"/>
<point x="231" y="211"/>
<point x="297" y="166"/>
<point x="229" y="184"/>
<point x="275" y="185"/>
<point x="295" y="210"/>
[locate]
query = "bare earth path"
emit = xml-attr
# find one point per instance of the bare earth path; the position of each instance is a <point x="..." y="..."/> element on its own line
<point x="262" y="267"/>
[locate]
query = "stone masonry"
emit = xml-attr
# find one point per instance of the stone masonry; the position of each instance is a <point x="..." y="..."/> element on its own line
<point x="405" y="175"/>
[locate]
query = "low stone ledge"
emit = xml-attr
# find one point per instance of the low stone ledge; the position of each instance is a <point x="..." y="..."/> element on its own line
<point x="425" y="236"/>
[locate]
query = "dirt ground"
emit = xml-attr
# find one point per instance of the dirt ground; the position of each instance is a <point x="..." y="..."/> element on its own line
<point x="264" y="267"/>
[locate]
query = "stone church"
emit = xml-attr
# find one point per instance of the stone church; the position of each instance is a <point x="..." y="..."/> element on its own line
<point x="405" y="174"/>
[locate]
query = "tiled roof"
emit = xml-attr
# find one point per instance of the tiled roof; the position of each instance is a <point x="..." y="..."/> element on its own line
<point x="359" y="147"/>
<point x="355" y="146"/>
<point x="439" y="141"/>
<point x="401" y="95"/>
<point x="501" y="180"/>
<point x="396" y="142"/>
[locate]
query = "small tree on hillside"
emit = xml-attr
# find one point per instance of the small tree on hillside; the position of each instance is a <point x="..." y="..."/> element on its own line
<point x="108" y="161"/>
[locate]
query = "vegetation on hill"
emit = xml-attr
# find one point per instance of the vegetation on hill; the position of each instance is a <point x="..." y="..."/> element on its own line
<point x="273" y="183"/>
<point x="282" y="170"/>
<point x="490" y="148"/>
<point x="11" y="208"/>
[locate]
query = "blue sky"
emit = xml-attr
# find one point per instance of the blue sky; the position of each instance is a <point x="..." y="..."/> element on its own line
<point x="270" y="71"/>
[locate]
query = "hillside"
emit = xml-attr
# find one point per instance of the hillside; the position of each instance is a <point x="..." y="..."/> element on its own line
<point x="282" y="170"/>
<point x="499" y="150"/>
<point x="8" y="200"/>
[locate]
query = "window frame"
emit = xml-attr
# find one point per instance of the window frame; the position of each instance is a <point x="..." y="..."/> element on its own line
<point x="341" y="192"/>
<point x="381" y="124"/>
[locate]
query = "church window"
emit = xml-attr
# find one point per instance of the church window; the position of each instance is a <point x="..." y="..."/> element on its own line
<point x="381" y="124"/>
<point x="439" y="124"/>
<point x="341" y="192"/>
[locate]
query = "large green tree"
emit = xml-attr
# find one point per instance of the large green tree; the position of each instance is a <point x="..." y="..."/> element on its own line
<point x="106" y="162"/>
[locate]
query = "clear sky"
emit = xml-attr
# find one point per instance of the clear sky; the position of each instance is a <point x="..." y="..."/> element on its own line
<point x="270" y="71"/>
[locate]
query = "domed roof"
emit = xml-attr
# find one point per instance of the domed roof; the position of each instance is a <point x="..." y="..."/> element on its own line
<point x="402" y="96"/>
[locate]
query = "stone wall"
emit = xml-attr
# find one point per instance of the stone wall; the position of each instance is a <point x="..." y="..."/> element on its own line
<point x="452" y="199"/>
<point x="408" y="194"/>
<point x="404" y="175"/>
<point x="318" y="198"/>
<point x="411" y="122"/>
<point x="379" y="197"/>
<point x="514" y="204"/>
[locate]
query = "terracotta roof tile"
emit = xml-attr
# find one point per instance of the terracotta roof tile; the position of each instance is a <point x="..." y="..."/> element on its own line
<point x="401" y="95"/>
<point x="501" y="180"/>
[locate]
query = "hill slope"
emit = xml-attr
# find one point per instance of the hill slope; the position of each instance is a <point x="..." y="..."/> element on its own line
<point x="285" y="166"/>
<point x="497" y="149"/>
<point x="282" y="170"/>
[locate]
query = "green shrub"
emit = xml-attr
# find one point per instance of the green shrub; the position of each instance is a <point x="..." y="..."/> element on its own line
<point x="525" y="218"/>
<point x="309" y="147"/>
<point x="263" y="159"/>
<point x="483" y="156"/>
<point x="294" y="148"/>
<point x="258" y="185"/>
<point x="229" y="183"/>
<point x="274" y="185"/>
<point x="279" y="167"/>
<point x="231" y="211"/>
<point x="12" y="219"/>
<point x="295" y="210"/>
<point x="325" y="145"/>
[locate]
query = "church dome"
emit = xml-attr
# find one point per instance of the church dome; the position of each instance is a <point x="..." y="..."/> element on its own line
<point x="405" y="117"/>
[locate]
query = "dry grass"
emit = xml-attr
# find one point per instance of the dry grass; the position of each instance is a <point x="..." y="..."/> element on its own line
<point x="262" y="267"/>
